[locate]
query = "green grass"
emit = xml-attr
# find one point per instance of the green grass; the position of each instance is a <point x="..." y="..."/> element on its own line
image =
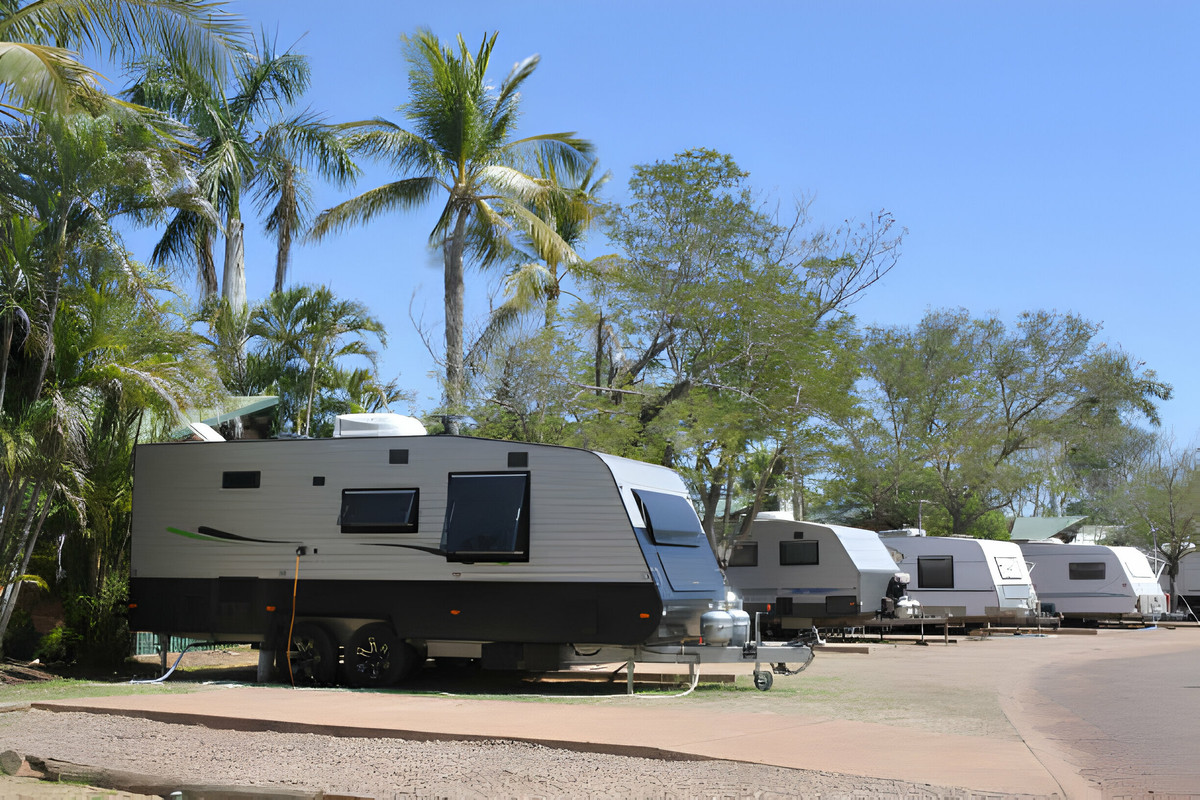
<point x="69" y="689"/>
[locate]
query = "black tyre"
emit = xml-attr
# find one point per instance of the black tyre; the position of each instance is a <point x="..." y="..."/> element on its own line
<point x="375" y="657"/>
<point x="310" y="658"/>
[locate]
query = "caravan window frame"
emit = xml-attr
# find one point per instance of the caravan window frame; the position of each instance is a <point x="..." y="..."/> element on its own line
<point x="932" y="571"/>
<point x="1078" y="570"/>
<point x="748" y="552"/>
<point x="375" y="516"/>
<point x="669" y="519"/>
<point x="807" y="554"/>
<point x="473" y="500"/>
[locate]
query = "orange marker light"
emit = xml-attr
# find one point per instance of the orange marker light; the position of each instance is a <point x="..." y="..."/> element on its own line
<point x="455" y="612"/>
<point x="270" y="608"/>
<point x="133" y="605"/>
<point x="644" y="615"/>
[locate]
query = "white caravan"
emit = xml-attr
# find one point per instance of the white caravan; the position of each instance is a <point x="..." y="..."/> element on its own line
<point x="366" y="553"/>
<point x="1187" y="584"/>
<point x="1094" y="581"/>
<point x="809" y="574"/>
<point x="972" y="580"/>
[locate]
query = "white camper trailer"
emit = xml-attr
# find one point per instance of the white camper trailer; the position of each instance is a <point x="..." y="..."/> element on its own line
<point x="377" y="551"/>
<point x="1093" y="581"/>
<point x="965" y="579"/>
<point x="1187" y="585"/>
<point x="809" y="574"/>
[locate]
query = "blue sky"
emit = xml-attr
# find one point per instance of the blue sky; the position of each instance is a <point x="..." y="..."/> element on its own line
<point x="1040" y="155"/>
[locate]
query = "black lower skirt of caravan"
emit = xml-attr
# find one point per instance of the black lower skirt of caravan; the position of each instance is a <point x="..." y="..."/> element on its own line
<point x="592" y="613"/>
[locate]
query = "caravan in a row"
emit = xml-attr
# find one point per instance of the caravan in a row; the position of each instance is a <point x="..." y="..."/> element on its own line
<point x="1093" y="581"/>
<point x="806" y="574"/>
<point x="356" y="558"/>
<point x="965" y="579"/>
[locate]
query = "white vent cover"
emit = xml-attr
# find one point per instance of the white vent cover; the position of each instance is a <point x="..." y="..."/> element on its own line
<point x="347" y="425"/>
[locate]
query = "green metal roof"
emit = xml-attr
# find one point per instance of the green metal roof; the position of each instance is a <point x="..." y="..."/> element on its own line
<point x="1039" y="528"/>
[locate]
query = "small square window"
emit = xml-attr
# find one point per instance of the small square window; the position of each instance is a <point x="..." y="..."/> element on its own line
<point x="799" y="552"/>
<point x="247" y="479"/>
<point x="935" y="572"/>
<point x="518" y="460"/>
<point x="397" y="456"/>
<point x="744" y="555"/>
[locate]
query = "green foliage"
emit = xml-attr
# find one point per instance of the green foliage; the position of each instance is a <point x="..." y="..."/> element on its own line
<point x="463" y="142"/>
<point x="59" y="646"/>
<point x="967" y="413"/>
<point x="21" y="640"/>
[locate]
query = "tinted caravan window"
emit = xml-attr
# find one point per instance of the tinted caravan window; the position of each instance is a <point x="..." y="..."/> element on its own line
<point x="744" y="555"/>
<point x="670" y="519"/>
<point x="935" y="572"/>
<point x="798" y="552"/>
<point x="487" y="517"/>
<point x="378" y="511"/>
<point x="1085" y="570"/>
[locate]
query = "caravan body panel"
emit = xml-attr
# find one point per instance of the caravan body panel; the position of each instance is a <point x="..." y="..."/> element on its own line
<point x="1094" y="581"/>
<point x="974" y="580"/>
<point x="837" y="579"/>
<point x="384" y="527"/>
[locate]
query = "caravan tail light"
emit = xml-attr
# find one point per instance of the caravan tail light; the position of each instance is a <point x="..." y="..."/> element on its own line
<point x="643" y="615"/>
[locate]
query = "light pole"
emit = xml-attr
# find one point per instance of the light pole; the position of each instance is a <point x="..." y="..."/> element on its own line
<point x="920" y="508"/>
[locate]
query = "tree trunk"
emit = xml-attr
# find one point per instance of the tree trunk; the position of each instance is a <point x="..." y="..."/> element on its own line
<point x="452" y="253"/>
<point x="28" y="543"/>
<point x="234" y="281"/>
<point x="208" y="267"/>
<point x="283" y="252"/>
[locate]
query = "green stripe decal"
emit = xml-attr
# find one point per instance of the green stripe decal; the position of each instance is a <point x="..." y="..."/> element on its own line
<point x="194" y="535"/>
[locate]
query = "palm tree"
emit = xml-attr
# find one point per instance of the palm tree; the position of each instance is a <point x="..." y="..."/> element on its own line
<point x="306" y="331"/>
<point x="246" y="145"/>
<point x="536" y="278"/>
<point x="461" y="143"/>
<point x="39" y="73"/>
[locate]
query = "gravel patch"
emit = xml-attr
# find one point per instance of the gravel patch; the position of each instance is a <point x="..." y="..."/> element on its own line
<point x="387" y="768"/>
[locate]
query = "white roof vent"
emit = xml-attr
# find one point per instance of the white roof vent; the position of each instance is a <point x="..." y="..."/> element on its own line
<point x="348" y="425"/>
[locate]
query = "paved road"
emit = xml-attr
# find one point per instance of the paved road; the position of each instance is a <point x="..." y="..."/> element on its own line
<point x="1136" y="719"/>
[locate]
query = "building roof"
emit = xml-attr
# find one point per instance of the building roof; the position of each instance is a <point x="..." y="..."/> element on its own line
<point x="1040" y="528"/>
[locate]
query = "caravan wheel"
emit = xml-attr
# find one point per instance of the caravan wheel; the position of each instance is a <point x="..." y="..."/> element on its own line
<point x="375" y="656"/>
<point x="312" y="658"/>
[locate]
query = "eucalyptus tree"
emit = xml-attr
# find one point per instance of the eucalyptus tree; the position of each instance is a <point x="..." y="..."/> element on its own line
<point x="714" y="300"/>
<point x="461" y="144"/>
<point x="1160" y="498"/>
<point x="251" y="144"/>
<point x="962" y="406"/>
<point x="40" y="70"/>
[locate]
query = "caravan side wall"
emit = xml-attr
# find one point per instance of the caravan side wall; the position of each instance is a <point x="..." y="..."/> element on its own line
<point x="839" y="582"/>
<point x="973" y="580"/>
<point x="218" y="528"/>
<point x="1093" y="581"/>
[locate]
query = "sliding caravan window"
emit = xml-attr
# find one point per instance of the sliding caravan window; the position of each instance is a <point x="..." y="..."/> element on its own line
<point x="379" y="511"/>
<point x="1085" y="570"/>
<point x="487" y="517"/>
<point x="670" y="519"/>
<point x="744" y="555"/>
<point x="935" y="572"/>
<point x="798" y="552"/>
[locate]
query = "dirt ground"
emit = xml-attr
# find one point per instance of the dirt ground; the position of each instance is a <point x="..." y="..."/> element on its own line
<point x="1001" y="689"/>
